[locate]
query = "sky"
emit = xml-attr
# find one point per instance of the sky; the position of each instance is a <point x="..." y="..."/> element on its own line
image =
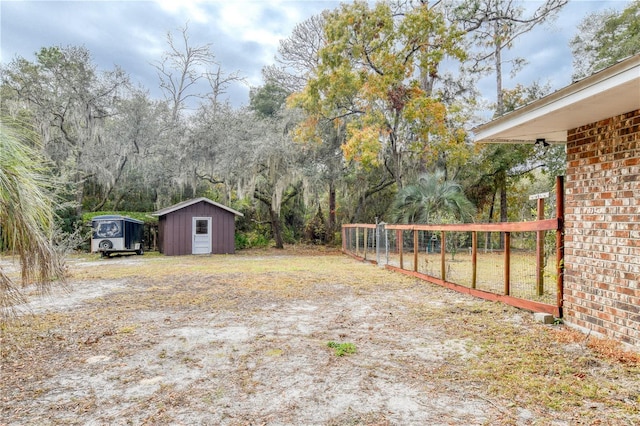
<point x="244" y="35"/>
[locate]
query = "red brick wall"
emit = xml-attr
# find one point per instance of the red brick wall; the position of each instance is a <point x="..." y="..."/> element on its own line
<point x="602" y="228"/>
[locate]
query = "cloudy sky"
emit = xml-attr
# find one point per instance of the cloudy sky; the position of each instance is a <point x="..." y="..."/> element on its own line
<point x="244" y="34"/>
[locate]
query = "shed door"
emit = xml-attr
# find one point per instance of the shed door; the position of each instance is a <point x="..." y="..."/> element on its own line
<point x="201" y="235"/>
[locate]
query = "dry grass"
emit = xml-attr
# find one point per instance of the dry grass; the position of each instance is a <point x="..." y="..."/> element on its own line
<point x="605" y="348"/>
<point x="242" y="339"/>
<point x="489" y="272"/>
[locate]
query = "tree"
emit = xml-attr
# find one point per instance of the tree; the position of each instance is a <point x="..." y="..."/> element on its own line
<point x="268" y="100"/>
<point x="26" y="212"/>
<point x="368" y="77"/>
<point x="498" y="167"/>
<point x="604" y="38"/>
<point x="298" y="54"/>
<point x="298" y="57"/>
<point x="430" y="200"/>
<point x="124" y="159"/>
<point x="190" y="73"/>
<point x="183" y="66"/>
<point x="494" y="26"/>
<point x="68" y="101"/>
<point x="277" y="164"/>
<point x="180" y="70"/>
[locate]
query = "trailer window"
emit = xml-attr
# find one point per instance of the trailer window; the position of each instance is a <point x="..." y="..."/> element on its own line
<point x="108" y="229"/>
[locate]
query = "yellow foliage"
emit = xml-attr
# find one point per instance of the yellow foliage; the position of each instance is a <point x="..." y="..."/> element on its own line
<point x="307" y="131"/>
<point x="363" y="145"/>
<point x="369" y="77"/>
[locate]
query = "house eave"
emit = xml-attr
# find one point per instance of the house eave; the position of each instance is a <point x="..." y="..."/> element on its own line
<point x="610" y="92"/>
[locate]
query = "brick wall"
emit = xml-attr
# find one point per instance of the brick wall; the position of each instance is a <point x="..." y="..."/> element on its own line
<point x="602" y="228"/>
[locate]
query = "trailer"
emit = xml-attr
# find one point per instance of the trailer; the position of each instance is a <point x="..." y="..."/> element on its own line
<point x="116" y="234"/>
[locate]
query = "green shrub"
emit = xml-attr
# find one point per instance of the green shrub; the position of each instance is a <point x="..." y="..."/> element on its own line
<point x="251" y="239"/>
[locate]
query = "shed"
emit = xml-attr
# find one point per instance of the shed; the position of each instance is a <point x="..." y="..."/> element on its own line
<point x="197" y="226"/>
<point x="598" y="118"/>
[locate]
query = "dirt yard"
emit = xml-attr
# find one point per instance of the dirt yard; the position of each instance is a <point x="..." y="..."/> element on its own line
<point x="244" y="340"/>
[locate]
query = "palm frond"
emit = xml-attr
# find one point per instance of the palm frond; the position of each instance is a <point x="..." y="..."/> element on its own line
<point x="430" y="198"/>
<point x="26" y="212"/>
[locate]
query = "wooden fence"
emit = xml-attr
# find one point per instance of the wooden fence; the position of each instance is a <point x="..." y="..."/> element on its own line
<point x="518" y="263"/>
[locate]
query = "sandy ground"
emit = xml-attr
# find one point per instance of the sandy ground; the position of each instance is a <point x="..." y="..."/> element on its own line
<point x="195" y="350"/>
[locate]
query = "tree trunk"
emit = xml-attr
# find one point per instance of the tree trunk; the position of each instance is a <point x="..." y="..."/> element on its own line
<point x="111" y="187"/>
<point x="362" y="200"/>
<point x="498" y="65"/>
<point x="276" y="228"/>
<point x="332" y="212"/>
<point x="116" y="203"/>
<point x="79" y="179"/>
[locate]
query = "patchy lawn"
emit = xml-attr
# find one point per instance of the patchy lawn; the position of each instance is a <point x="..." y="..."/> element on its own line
<point x="296" y="338"/>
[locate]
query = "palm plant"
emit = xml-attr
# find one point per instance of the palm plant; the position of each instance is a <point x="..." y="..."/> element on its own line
<point x="26" y="214"/>
<point x="431" y="198"/>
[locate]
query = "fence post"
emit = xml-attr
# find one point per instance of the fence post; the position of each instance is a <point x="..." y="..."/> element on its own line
<point x="443" y="249"/>
<point x="474" y="258"/>
<point x="540" y="251"/>
<point x="365" y="243"/>
<point x="381" y="244"/>
<point x="386" y="246"/>
<point x="560" y="243"/>
<point x="378" y="243"/>
<point x="507" y="263"/>
<point x="400" y="246"/>
<point x="415" y="250"/>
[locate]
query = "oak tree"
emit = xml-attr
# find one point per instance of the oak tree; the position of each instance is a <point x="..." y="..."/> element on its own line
<point x="69" y="100"/>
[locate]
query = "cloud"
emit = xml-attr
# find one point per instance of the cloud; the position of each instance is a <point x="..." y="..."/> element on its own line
<point x="244" y="34"/>
<point x="193" y="10"/>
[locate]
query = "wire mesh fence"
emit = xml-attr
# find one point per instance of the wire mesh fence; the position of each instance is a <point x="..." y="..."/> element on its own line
<point x="519" y="260"/>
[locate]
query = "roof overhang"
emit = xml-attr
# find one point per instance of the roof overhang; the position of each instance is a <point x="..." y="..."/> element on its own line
<point x="613" y="91"/>
<point x="187" y="203"/>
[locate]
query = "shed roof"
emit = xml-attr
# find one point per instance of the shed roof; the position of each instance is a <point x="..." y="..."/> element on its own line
<point x="613" y="91"/>
<point x="188" y="203"/>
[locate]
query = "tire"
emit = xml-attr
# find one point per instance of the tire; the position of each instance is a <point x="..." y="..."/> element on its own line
<point x="140" y="251"/>
<point x="105" y="245"/>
